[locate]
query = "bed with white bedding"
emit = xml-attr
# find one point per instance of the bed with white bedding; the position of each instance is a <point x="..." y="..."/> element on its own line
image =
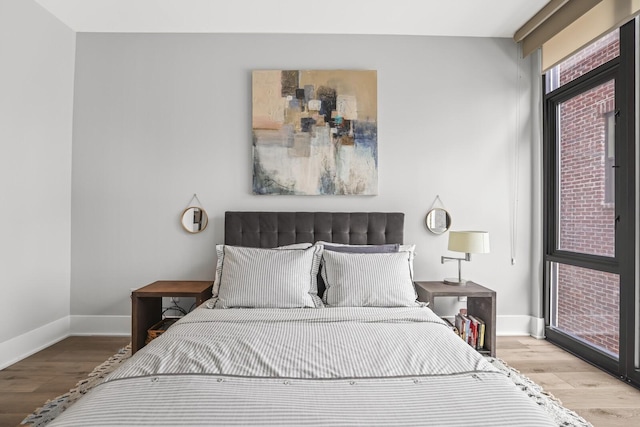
<point x="267" y="350"/>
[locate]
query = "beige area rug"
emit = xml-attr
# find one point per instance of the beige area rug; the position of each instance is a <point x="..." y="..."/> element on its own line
<point x="52" y="408"/>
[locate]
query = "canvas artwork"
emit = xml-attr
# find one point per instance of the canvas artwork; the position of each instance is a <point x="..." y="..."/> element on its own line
<point x="315" y="132"/>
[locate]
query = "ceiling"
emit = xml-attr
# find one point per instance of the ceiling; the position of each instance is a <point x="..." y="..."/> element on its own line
<point x="473" y="18"/>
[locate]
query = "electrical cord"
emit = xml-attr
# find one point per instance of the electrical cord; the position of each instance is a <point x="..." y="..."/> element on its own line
<point x="175" y="307"/>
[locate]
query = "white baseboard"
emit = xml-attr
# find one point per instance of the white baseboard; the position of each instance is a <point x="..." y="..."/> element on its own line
<point x="514" y="325"/>
<point x="537" y="327"/>
<point x="100" y="325"/>
<point x="22" y="346"/>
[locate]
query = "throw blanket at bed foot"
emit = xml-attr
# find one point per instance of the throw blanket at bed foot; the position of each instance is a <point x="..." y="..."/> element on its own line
<point x="334" y="366"/>
<point x="458" y="400"/>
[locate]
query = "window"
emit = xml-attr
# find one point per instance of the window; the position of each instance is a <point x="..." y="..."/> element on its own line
<point x="589" y="240"/>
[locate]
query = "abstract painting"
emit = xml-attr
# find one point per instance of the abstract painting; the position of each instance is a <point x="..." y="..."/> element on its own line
<point x="315" y="132"/>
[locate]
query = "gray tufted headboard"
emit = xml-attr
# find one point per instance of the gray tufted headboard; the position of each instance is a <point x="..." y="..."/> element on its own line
<point x="271" y="229"/>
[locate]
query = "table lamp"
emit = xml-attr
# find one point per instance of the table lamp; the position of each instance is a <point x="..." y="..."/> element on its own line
<point x="469" y="242"/>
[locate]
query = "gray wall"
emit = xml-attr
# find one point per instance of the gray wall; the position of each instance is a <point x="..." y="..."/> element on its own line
<point x="36" y="83"/>
<point x="158" y="118"/>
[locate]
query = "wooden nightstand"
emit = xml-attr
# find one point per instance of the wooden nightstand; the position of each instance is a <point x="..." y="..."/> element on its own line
<point x="481" y="302"/>
<point x="146" y="304"/>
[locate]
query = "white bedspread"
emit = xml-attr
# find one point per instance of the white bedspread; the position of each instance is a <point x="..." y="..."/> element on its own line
<point x="331" y="366"/>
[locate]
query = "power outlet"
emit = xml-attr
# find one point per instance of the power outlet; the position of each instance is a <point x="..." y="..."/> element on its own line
<point x="175" y="300"/>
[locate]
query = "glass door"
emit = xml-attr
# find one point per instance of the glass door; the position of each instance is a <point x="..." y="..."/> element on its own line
<point x="590" y="201"/>
<point x="583" y="276"/>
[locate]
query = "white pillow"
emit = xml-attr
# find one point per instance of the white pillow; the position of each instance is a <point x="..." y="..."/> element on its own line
<point x="369" y="279"/>
<point x="220" y="255"/>
<point x="411" y="249"/>
<point x="269" y="278"/>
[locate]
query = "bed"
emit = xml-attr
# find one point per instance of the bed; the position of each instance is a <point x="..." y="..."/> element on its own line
<point x="314" y="321"/>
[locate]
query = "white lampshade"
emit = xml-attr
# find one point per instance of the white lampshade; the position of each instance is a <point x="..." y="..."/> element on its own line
<point x="472" y="242"/>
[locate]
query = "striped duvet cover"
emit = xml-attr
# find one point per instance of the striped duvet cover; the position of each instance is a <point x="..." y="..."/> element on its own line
<point x="329" y="366"/>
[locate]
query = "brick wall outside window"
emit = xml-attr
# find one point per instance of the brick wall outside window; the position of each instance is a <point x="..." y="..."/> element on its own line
<point x="592" y="56"/>
<point x="587" y="300"/>
<point x="586" y="220"/>
<point x="588" y="305"/>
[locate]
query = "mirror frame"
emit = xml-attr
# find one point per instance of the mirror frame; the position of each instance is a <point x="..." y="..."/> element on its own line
<point x="205" y="219"/>
<point x="434" y="230"/>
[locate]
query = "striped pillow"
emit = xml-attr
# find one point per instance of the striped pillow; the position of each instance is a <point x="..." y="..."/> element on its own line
<point x="220" y="256"/>
<point x="369" y="279"/>
<point x="269" y="278"/>
<point x="372" y="248"/>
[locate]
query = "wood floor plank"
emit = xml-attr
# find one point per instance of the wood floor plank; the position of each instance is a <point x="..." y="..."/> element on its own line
<point x="23" y="384"/>
<point x="613" y="398"/>
<point x="550" y="381"/>
<point x="591" y="380"/>
<point x="540" y="355"/>
<point x="611" y="417"/>
<point x="539" y="366"/>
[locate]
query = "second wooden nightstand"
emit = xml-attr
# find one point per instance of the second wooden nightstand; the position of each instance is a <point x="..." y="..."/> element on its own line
<point x="146" y="304"/>
<point x="481" y="302"/>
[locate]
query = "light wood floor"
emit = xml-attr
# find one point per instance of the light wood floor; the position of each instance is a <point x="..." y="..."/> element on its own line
<point x="598" y="397"/>
<point x="595" y="395"/>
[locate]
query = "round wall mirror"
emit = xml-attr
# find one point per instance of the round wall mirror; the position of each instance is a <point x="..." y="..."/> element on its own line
<point x="194" y="219"/>
<point x="438" y="220"/>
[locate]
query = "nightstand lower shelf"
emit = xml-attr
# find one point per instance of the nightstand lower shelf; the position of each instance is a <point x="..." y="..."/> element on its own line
<point x="481" y="302"/>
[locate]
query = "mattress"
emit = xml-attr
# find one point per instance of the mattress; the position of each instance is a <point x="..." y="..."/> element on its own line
<point x="367" y="366"/>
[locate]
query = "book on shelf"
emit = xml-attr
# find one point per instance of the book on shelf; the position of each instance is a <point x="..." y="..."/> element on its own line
<point x="473" y="335"/>
<point x="481" y="330"/>
<point x="471" y="329"/>
<point x="459" y="324"/>
<point x="463" y="324"/>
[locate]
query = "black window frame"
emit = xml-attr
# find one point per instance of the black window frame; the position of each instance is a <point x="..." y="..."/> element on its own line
<point x="623" y="263"/>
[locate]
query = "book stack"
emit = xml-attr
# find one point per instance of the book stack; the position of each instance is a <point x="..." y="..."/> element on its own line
<point x="470" y="328"/>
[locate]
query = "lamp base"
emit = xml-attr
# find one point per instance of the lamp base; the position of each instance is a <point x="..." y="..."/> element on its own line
<point x="454" y="281"/>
